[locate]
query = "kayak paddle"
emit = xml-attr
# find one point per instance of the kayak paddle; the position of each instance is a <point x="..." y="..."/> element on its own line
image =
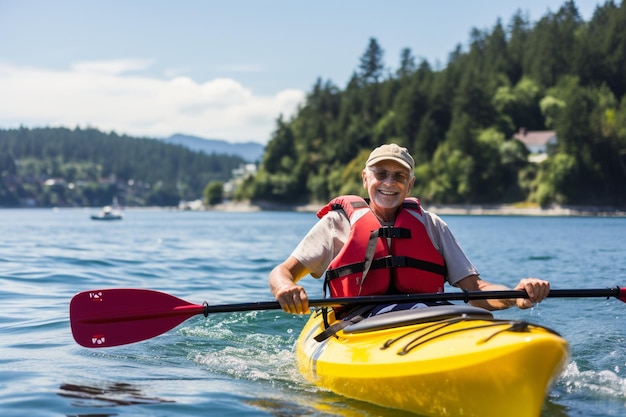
<point x="119" y="316"/>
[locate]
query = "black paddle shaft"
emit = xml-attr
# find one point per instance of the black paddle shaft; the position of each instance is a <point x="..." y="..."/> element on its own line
<point x="464" y="296"/>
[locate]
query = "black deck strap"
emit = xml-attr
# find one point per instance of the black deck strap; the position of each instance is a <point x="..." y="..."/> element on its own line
<point x="516" y="326"/>
<point x="353" y="317"/>
<point x="401" y="318"/>
<point x="334" y="328"/>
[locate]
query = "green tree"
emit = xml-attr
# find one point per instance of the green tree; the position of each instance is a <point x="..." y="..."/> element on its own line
<point x="451" y="171"/>
<point x="559" y="73"/>
<point x="371" y="64"/>
<point x="89" y="160"/>
<point x="407" y="63"/>
<point x="214" y="193"/>
<point x="519" y="30"/>
<point x="557" y="181"/>
<point x="553" y="45"/>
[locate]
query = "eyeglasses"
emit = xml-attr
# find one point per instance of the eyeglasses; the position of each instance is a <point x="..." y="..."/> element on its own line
<point x="382" y="175"/>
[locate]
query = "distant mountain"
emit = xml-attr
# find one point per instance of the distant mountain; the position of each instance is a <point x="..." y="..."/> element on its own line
<point x="250" y="151"/>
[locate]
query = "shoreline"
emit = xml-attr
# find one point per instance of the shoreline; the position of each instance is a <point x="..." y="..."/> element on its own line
<point x="451" y="209"/>
<point x="512" y="210"/>
<point x="442" y="210"/>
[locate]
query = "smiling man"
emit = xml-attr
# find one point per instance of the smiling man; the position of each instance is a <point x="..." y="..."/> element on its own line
<point x="386" y="244"/>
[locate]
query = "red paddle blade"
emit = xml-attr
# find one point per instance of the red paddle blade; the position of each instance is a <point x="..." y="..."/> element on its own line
<point x="113" y="317"/>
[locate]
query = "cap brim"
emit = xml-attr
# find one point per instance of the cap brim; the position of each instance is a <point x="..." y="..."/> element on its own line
<point x="402" y="162"/>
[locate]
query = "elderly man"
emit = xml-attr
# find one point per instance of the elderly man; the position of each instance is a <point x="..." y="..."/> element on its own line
<point x="385" y="245"/>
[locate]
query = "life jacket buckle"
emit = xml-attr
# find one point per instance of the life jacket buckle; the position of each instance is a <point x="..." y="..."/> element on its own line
<point x="388" y="261"/>
<point x="391" y="261"/>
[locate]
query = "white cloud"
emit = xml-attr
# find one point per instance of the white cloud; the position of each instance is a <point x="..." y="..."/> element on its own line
<point x="102" y="95"/>
<point x="112" y="67"/>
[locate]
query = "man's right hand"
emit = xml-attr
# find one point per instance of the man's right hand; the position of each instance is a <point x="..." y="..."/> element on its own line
<point x="293" y="299"/>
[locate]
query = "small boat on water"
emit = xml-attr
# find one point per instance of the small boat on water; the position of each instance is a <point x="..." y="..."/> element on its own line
<point x="440" y="361"/>
<point x="108" y="213"/>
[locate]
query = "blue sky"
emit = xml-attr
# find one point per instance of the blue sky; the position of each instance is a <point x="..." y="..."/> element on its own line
<point x="214" y="69"/>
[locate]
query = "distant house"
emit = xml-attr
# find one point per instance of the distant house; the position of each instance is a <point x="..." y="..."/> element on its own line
<point x="537" y="142"/>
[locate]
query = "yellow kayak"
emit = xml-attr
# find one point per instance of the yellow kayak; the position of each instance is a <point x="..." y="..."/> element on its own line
<point x="436" y="361"/>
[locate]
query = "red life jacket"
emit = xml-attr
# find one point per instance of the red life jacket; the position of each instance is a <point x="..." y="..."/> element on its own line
<point x="367" y="266"/>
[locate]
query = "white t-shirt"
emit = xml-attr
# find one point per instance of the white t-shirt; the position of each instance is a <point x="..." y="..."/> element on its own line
<point x="324" y="241"/>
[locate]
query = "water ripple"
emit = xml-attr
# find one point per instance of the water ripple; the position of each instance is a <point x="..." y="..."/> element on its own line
<point x="242" y="364"/>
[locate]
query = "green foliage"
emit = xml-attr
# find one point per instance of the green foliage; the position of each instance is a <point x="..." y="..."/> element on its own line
<point x="447" y="179"/>
<point x="351" y="181"/>
<point x="86" y="167"/>
<point x="555" y="182"/>
<point x="163" y="195"/>
<point x="519" y="106"/>
<point x="214" y="193"/>
<point x="372" y="65"/>
<point x="560" y="73"/>
<point x="407" y="63"/>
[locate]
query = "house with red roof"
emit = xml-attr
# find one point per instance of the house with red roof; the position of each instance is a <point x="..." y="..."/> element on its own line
<point x="537" y="142"/>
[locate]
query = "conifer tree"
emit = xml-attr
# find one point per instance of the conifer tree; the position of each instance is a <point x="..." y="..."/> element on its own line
<point x="372" y="65"/>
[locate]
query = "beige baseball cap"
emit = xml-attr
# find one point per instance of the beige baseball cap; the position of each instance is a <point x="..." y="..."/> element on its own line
<point x="391" y="152"/>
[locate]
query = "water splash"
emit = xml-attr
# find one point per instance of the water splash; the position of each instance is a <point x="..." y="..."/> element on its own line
<point x="242" y="348"/>
<point x="604" y="384"/>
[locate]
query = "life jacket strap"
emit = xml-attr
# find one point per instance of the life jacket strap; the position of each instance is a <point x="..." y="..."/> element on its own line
<point x="386" y="262"/>
<point x="394" y="232"/>
<point x="407" y="261"/>
<point x="383" y="232"/>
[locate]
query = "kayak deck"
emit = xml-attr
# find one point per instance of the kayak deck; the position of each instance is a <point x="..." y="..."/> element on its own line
<point x="438" y="361"/>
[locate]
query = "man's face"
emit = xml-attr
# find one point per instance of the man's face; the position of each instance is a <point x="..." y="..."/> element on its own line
<point x="388" y="183"/>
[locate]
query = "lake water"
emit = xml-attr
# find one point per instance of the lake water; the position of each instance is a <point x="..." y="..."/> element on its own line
<point x="242" y="364"/>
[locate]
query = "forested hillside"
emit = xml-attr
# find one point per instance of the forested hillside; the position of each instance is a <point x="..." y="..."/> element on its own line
<point x="559" y="73"/>
<point x="86" y="167"/>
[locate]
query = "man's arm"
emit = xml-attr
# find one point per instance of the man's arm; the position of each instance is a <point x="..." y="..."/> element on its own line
<point x="282" y="282"/>
<point x="537" y="290"/>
